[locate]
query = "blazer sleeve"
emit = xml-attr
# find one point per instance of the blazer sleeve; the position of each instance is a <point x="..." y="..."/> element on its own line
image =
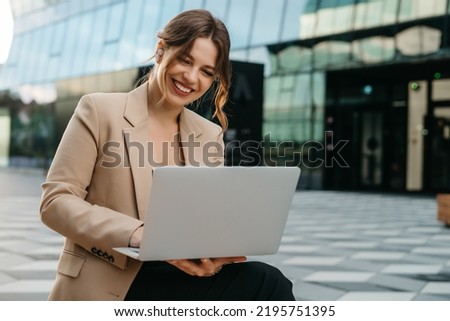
<point x="63" y="206"/>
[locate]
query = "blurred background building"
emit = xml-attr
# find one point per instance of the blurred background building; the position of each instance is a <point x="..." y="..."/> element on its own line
<point x="356" y="92"/>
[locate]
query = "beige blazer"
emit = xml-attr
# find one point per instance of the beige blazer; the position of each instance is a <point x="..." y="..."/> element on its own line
<point x="97" y="189"/>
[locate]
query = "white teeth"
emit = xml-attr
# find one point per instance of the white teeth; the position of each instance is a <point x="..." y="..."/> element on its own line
<point x="182" y="88"/>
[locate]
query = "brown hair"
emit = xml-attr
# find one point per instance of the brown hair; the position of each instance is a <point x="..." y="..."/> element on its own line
<point x="183" y="30"/>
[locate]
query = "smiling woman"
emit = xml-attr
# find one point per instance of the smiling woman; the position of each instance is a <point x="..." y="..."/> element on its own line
<point x="99" y="208"/>
<point x="6" y="32"/>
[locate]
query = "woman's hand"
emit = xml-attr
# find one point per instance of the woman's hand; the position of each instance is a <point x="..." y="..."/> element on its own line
<point x="136" y="237"/>
<point x="205" y="267"/>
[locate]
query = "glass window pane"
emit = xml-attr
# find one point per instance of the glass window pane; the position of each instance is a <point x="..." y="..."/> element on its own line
<point x="238" y="23"/>
<point x="372" y="13"/>
<point x="83" y="41"/>
<point x="129" y="37"/>
<point x="115" y="22"/>
<point x="294" y="58"/>
<point x="169" y="10"/>
<point x="59" y="35"/>
<point x="416" y="9"/>
<point x="9" y="71"/>
<point x="319" y="89"/>
<point x="149" y="26"/>
<point x="339" y="52"/>
<point x="308" y="20"/>
<point x="321" y="54"/>
<point x="108" y="58"/>
<point x="96" y="41"/>
<point x="264" y="32"/>
<point x="373" y="49"/>
<point x="192" y="4"/>
<point x="343" y="16"/>
<point x="302" y="93"/>
<point x="217" y="8"/>
<point x="286" y="92"/>
<point x="293" y="19"/>
<point x="419" y="40"/>
<point x="325" y="15"/>
<point x="15" y="50"/>
<point x="271" y="92"/>
<point x="27" y="60"/>
<point x="390" y="11"/>
<point x="44" y="52"/>
<point x="69" y="50"/>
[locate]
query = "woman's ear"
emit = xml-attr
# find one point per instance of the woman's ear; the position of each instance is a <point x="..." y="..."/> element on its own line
<point x="159" y="54"/>
<point x="159" y="50"/>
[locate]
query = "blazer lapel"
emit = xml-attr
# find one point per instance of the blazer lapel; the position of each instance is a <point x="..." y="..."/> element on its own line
<point x="136" y="142"/>
<point x="189" y="132"/>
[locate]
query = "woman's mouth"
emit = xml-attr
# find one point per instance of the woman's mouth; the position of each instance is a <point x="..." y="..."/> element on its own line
<point x="181" y="88"/>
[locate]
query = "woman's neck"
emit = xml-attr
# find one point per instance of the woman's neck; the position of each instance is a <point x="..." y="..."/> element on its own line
<point x="158" y="109"/>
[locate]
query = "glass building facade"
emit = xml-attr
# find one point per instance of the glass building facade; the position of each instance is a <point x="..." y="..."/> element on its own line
<point x="356" y="92"/>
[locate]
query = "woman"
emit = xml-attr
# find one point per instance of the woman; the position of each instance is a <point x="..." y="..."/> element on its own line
<point x="98" y="202"/>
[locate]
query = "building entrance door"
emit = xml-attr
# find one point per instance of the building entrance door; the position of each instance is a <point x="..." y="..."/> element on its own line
<point x="371" y="149"/>
<point x="364" y="151"/>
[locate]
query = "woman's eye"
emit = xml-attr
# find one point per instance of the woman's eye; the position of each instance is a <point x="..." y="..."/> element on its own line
<point x="208" y="73"/>
<point x="185" y="61"/>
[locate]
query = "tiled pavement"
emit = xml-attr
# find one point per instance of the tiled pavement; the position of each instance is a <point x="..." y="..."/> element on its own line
<point x="337" y="245"/>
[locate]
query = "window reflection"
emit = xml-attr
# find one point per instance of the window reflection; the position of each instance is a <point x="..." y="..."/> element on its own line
<point x="149" y="24"/>
<point x="168" y="10"/>
<point x="373" y="49"/>
<point x="271" y="92"/>
<point x="83" y="41"/>
<point x="68" y="53"/>
<point x="291" y="19"/>
<point x="127" y="46"/>
<point x="343" y="16"/>
<point x="339" y="52"/>
<point x="420" y="40"/>
<point x="416" y="9"/>
<point x="267" y="11"/>
<point x="115" y="22"/>
<point x="238" y="23"/>
<point x="293" y="58"/>
<point x="42" y="65"/>
<point x="373" y="13"/>
<point x="192" y="4"/>
<point x="217" y="8"/>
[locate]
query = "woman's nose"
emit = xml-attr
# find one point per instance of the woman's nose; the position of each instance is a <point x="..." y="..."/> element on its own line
<point x="191" y="74"/>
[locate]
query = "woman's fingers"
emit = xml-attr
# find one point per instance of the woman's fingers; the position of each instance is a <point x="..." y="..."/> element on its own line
<point x="205" y="267"/>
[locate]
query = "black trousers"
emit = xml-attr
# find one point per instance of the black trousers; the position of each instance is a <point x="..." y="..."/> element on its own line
<point x="248" y="281"/>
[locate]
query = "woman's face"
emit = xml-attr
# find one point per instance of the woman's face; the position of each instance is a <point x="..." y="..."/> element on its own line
<point x="190" y="76"/>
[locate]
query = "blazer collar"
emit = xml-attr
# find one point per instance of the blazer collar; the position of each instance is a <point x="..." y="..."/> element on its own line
<point x="136" y="110"/>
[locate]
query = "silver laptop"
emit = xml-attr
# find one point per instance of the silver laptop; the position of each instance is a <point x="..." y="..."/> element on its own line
<point x="204" y="212"/>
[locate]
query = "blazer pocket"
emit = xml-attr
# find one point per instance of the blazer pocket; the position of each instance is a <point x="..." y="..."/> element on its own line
<point x="70" y="263"/>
